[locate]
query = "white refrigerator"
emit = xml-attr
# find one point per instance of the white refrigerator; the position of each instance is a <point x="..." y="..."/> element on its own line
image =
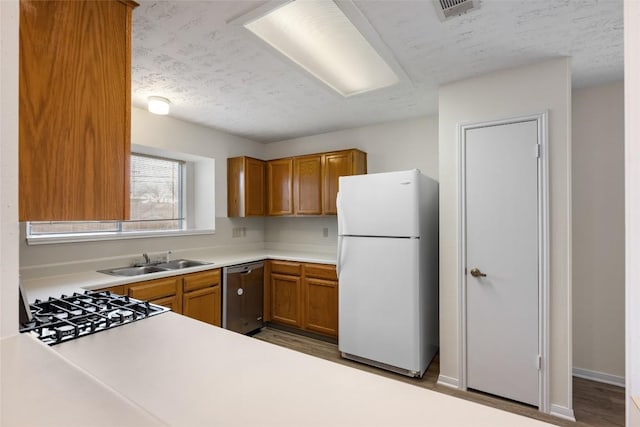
<point x="387" y="265"/>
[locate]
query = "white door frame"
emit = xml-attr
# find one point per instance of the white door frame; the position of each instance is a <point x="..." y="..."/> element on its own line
<point x="543" y="250"/>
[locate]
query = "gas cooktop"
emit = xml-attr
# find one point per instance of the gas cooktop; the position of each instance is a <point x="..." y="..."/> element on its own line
<point x="68" y="317"/>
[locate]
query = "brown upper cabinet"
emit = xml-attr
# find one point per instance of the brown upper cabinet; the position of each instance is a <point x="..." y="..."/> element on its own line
<point x="74" y="110"/>
<point x="245" y="187"/>
<point x="280" y="187"/>
<point x="307" y="185"/>
<point x="303" y="185"/>
<point x="340" y="163"/>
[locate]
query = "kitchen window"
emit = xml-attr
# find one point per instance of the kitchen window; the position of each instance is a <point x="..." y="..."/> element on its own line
<point x="157" y="206"/>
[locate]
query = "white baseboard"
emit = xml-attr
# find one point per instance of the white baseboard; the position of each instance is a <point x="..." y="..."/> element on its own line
<point x="448" y="381"/>
<point x="601" y="377"/>
<point x="562" y="412"/>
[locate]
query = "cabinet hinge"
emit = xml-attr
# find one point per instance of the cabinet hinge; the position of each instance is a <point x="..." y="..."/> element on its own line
<point x="537" y="151"/>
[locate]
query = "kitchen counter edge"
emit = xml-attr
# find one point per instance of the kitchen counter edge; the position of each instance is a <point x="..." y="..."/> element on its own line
<point x="54" y="286"/>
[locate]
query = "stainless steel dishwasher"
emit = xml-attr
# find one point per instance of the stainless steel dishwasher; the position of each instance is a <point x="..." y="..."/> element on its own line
<point x="242" y="297"/>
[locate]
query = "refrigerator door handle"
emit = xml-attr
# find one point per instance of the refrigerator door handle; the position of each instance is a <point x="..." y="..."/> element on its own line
<point x="339" y="254"/>
<point x="338" y="257"/>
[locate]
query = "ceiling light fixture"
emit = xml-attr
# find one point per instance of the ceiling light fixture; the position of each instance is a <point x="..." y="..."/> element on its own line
<point x="158" y="105"/>
<point x="319" y="37"/>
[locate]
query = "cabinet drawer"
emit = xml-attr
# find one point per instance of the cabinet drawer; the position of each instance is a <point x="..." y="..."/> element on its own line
<point x="286" y="267"/>
<point x="320" y="271"/>
<point x="154" y="289"/>
<point x="201" y="280"/>
<point x="172" y="303"/>
<point x="118" y="290"/>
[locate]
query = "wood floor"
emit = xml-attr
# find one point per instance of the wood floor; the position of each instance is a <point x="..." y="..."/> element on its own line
<point x="595" y="404"/>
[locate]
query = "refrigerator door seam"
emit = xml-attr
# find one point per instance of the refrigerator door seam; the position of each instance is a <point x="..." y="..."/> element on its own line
<point x="379" y="237"/>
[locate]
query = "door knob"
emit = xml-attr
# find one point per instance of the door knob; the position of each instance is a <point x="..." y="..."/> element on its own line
<point x="477" y="273"/>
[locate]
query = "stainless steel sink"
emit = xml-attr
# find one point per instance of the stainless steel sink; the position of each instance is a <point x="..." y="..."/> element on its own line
<point x="133" y="271"/>
<point x="178" y="264"/>
<point x="154" y="268"/>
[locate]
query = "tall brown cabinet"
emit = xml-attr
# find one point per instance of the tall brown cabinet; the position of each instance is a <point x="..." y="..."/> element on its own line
<point x="245" y="187"/>
<point x="74" y="106"/>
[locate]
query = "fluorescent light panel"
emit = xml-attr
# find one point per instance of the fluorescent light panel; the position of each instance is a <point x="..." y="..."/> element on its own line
<point x="318" y="36"/>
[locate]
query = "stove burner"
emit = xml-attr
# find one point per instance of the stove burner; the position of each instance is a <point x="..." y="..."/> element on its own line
<point x="121" y="315"/>
<point x="61" y="319"/>
<point x="65" y="331"/>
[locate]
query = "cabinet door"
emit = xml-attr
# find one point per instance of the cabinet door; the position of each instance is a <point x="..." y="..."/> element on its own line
<point x="321" y="306"/>
<point x="245" y="187"/>
<point x="203" y="304"/>
<point x="74" y="110"/>
<point x="285" y="300"/>
<point x="280" y="187"/>
<point x="342" y="163"/>
<point x="307" y="185"/>
<point x="254" y="187"/>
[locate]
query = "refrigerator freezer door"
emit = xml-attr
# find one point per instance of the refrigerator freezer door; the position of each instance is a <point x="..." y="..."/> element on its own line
<point x="383" y="204"/>
<point x="379" y="301"/>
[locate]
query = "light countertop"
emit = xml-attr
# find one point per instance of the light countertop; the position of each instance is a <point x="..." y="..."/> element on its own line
<point x="56" y="285"/>
<point x="188" y="373"/>
<point x="41" y="388"/>
<point x="173" y="370"/>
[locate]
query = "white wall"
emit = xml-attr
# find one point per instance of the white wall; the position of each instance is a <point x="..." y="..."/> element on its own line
<point x="301" y="233"/>
<point x="399" y="145"/>
<point x="632" y="206"/>
<point x="503" y="94"/>
<point x="168" y="133"/>
<point x="391" y="146"/>
<point x="598" y="231"/>
<point x="9" y="14"/>
<point x="165" y="133"/>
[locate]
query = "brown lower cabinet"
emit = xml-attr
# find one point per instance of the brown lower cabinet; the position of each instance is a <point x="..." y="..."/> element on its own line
<point x="196" y="295"/>
<point x="164" y="292"/>
<point x="302" y="295"/>
<point x="201" y="296"/>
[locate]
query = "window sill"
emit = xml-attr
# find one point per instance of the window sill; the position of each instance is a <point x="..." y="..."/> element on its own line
<point x="76" y="238"/>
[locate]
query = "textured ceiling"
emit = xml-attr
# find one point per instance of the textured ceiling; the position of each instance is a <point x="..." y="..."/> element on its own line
<point x="216" y="74"/>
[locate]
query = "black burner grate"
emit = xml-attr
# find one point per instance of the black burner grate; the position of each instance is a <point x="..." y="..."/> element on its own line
<point x="62" y="319"/>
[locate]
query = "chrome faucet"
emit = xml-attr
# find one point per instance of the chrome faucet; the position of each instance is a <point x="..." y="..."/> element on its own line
<point x="146" y="258"/>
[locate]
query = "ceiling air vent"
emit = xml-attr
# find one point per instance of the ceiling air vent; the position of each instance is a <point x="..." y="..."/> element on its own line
<point x="446" y="9"/>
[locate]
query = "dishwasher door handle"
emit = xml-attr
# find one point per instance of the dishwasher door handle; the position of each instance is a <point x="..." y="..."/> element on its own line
<point x="246" y="272"/>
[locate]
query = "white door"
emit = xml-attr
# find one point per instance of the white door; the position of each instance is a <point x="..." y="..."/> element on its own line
<point x="501" y="195"/>
<point x="379" y="301"/>
<point x="381" y="204"/>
